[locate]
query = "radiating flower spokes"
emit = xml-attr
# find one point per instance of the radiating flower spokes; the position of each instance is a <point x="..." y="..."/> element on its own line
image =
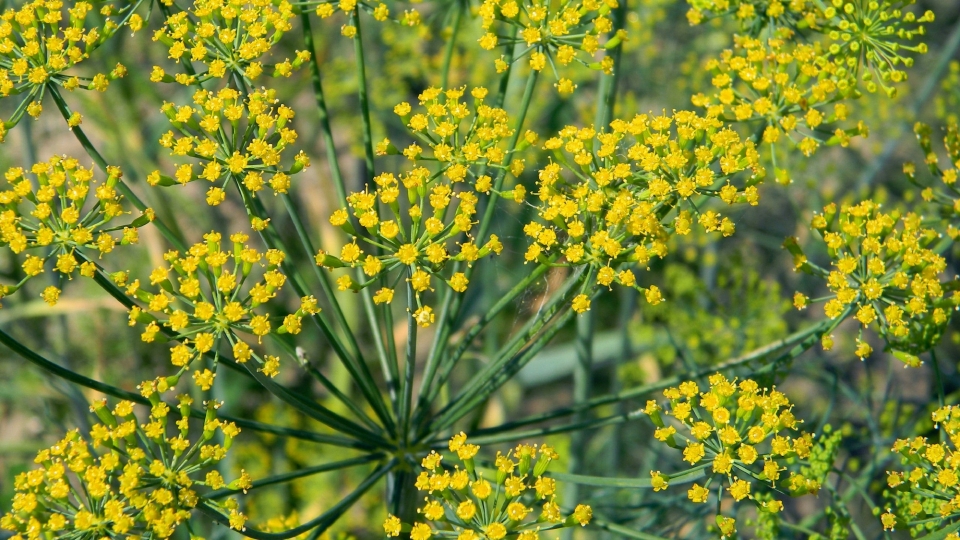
<point x="208" y="307"/>
<point x="465" y="505"/>
<point x="237" y="138"/>
<point x="884" y="270"/>
<point x="127" y="477"/>
<point x="59" y="212"/>
<point x="229" y="38"/>
<point x="41" y="40"/>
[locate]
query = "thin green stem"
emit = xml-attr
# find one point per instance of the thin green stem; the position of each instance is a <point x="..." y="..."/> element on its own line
<point x="410" y="363"/>
<point x="428" y="389"/>
<point x="323" y="521"/>
<point x="582" y="381"/>
<point x="364" y="97"/>
<point x="451" y="44"/>
<point x="938" y="377"/>
<point x="325" y="130"/>
<point x="299" y="473"/>
<point x="503" y="368"/>
<point x="29" y="355"/>
<point x="799" y="341"/>
<point x="487" y="219"/>
<point x="355" y="365"/>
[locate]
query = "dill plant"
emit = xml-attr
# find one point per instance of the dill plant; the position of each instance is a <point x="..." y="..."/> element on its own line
<point x="387" y="285"/>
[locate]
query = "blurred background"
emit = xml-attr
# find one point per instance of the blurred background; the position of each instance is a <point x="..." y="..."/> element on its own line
<point x="724" y="297"/>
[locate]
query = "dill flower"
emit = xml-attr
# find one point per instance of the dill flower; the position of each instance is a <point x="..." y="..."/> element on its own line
<point x="576" y="31"/>
<point x="127" y="477"/>
<point x="59" y="212"/>
<point x="351" y="8"/>
<point x="944" y="195"/>
<point x="436" y="225"/>
<point x="858" y="40"/>
<point x="611" y="199"/>
<point x="786" y="87"/>
<point x="462" y="502"/>
<point x="207" y="297"/>
<point x="40" y="41"/>
<point x="925" y="492"/>
<point x="743" y="437"/>
<point x="239" y="139"/>
<point x="884" y="272"/>
<point x="227" y="39"/>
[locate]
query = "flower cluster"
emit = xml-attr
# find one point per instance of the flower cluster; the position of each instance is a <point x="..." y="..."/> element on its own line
<point x="466" y="506"/>
<point x="863" y="39"/>
<point x="945" y="195"/>
<point x="461" y="137"/>
<point x="624" y="184"/>
<point x="550" y="33"/>
<point x="229" y="38"/>
<point x="237" y="138"/>
<point x="126" y="478"/>
<point x="884" y="270"/>
<point x="42" y="39"/>
<point x="740" y="435"/>
<point x="351" y="8"/>
<point x="872" y="37"/>
<point x="755" y="15"/>
<point x="781" y="85"/>
<point x="45" y="213"/>
<point x="211" y="303"/>
<point x="430" y="229"/>
<point x="926" y="493"/>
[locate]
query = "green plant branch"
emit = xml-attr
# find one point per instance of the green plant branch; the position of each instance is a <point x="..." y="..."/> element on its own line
<point x="451" y="44"/>
<point x="323" y="521"/>
<point x="801" y="341"/>
<point x="356" y="366"/>
<point x="364" y="98"/>
<point x="299" y="473"/>
<point x="325" y="129"/>
<point x="428" y="390"/>
<point x="504" y="355"/>
<point x="29" y="355"/>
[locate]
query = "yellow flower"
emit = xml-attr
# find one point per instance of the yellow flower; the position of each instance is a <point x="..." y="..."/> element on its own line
<point x="420" y="531"/>
<point x="581" y="303"/>
<point x="583" y="514"/>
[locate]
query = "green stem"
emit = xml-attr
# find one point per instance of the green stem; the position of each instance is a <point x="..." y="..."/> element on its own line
<point x="410" y="364"/>
<point x="487" y="219"/>
<point x="582" y="379"/>
<point x="938" y="378"/>
<point x="29" y="355"/>
<point x="323" y="521"/>
<point x="325" y="130"/>
<point x="329" y="385"/>
<point x="800" y="341"/>
<point x="451" y="45"/>
<point x="530" y="328"/>
<point x="299" y="473"/>
<point x="355" y="365"/>
<point x="428" y="389"/>
<point x="364" y="98"/>
<point x="507" y="364"/>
